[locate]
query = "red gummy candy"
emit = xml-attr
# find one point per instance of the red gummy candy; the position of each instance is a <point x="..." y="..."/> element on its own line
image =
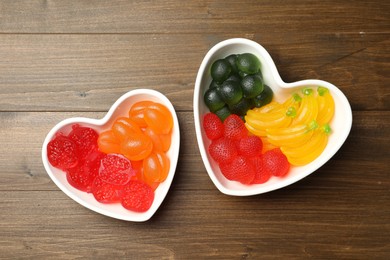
<point x="213" y="126"/>
<point x="82" y="176"/>
<point x="234" y="127"/>
<point x="250" y="146"/>
<point x="62" y="152"/>
<point x="115" y="169"/>
<point x="222" y="150"/>
<point x="137" y="196"/>
<point x="240" y="169"/>
<point x="92" y="163"/>
<point x="79" y="178"/>
<point x="85" y="138"/>
<point x="105" y="192"/>
<point x="261" y="174"/>
<point x="276" y="162"/>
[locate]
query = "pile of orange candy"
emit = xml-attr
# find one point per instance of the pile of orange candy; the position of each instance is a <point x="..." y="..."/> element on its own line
<point x="143" y="137"/>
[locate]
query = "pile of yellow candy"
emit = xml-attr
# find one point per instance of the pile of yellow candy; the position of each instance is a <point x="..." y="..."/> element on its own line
<point x="299" y="126"/>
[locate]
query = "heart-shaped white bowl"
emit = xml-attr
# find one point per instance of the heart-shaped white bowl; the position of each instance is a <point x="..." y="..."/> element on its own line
<point x="119" y="108"/>
<point x="340" y="124"/>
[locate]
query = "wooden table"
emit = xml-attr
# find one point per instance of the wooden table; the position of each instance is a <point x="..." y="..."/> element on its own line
<point x="61" y="59"/>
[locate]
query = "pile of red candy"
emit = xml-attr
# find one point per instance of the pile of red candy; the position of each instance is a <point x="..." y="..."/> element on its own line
<point x="109" y="177"/>
<point x="240" y="155"/>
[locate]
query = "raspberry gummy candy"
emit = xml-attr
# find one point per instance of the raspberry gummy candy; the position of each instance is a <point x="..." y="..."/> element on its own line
<point x="137" y="196"/>
<point x="213" y="126"/>
<point x="62" y="152"/>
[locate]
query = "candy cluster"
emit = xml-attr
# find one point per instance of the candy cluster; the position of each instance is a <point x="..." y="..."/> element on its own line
<point x="123" y="164"/>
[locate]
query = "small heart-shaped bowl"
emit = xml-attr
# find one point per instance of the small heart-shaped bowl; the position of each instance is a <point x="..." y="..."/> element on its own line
<point x="119" y="108"/>
<point x="340" y="124"/>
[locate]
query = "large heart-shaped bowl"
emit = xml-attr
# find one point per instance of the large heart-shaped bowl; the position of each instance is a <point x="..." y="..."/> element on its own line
<point x="341" y="123"/>
<point x="119" y="108"/>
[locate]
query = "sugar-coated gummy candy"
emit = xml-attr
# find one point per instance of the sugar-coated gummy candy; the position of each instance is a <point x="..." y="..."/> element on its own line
<point x="137" y="196"/>
<point x="105" y="192"/>
<point x="115" y="169"/>
<point x="62" y="152"/>
<point x="85" y="139"/>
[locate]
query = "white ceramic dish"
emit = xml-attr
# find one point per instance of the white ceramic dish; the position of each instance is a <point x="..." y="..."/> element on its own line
<point x="119" y="108"/>
<point x="341" y="123"/>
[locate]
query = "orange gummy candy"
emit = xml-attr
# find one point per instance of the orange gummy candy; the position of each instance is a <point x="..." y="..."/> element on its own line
<point x="155" y="167"/>
<point x="137" y="146"/>
<point x="159" y="118"/>
<point x="123" y="127"/>
<point x="144" y="138"/>
<point x="136" y="112"/>
<point x="108" y="143"/>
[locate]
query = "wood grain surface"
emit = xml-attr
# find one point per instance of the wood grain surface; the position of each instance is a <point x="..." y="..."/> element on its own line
<point x="61" y="59"/>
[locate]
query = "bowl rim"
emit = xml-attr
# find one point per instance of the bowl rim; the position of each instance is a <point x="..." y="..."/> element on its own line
<point x="104" y="209"/>
<point x="262" y="188"/>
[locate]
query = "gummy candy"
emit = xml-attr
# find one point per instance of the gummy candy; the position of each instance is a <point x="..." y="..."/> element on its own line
<point x="62" y="152"/>
<point x="223" y="150"/>
<point x="308" y="110"/>
<point x="326" y="106"/>
<point x="306" y="113"/>
<point x="137" y="196"/>
<point x="137" y="146"/>
<point x="158" y="118"/>
<point x="115" y="169"/>
<point x="125" y="163"/>
<point x="213" y="126"/>
<point x="82" y="176"/>
<point x="85" y="139"/>
<point x="234" y="127"/>
<point x="155" y="168"/>
<point x="123" y="127"/>
<point x="137" y="112"/>
<point x="239" y="169"/>
<point x="108" y="142"/>
<point x="276" y="162"/>
<point x="250" y="146"/>
<point x="261" y="174"/>
<point x="105" y="192"/>
<point x="310" y="150"/>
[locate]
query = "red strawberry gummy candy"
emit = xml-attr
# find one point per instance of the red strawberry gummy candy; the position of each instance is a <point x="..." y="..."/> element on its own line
<point x="137" y="196"/>
<point x="276" y="162"/>
<point x="234" y="127"/>
<point x="213" y="126"/>
<point x="261" y="174"/>
<point x="115" y="169"/>
<point x="222" y="150"/>
<point x="62" y="152"/>
<point x="85" y="138"/>
<point x="250" y="146"/>
<point x="240" y="169"/>
<point x="105" y="192"/>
